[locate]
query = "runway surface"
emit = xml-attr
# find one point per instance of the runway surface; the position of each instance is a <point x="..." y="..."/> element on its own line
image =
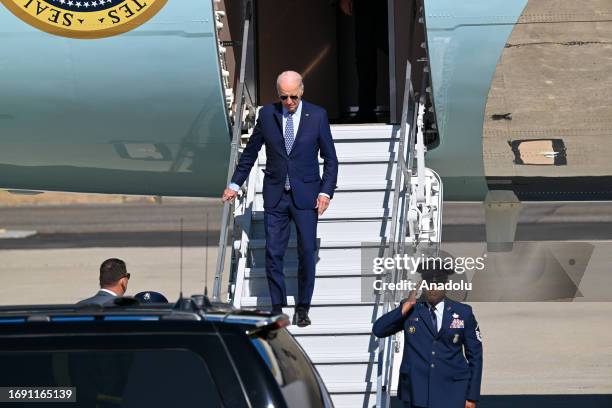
<point x="537" y="354"/>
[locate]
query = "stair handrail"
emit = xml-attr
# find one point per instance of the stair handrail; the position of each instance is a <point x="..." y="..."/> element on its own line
<point x="240" y="108"/>
<point x="403" y="172"/>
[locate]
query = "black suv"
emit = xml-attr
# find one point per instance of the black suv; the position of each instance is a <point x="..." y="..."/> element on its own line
<point x="192" y="353"/>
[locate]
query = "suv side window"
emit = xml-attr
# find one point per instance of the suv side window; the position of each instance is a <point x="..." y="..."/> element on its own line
<point x="152" y="368"/>
<point x="151" y="378"/>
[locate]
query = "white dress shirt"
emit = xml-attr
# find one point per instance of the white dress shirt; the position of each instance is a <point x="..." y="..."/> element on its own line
<point x="297" y="115"/>
<point x="109" y="291"/>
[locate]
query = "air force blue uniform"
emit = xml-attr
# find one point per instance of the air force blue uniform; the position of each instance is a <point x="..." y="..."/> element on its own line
<point x="434" y="372"/>
<point x="301" y="166"/>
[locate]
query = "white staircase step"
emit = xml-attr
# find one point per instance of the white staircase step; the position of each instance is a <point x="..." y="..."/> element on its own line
<point x="348" y="258"/>
<point x="346" y="387"/>
<point x="357" y="176"/>
<point x="349" y="377"/>
<point x="291" y="272"/>
<point x="337" y="320"/>
<point x="357" y="185"/>
<point x="337" y="213"/>
<point x="369" y="242"/>
<point x="379" y="152"/>
<point x="263" y="302"/>
<point x="360" y="132"/>
<point x="369" y="145"/>
<point x="353" y="400"/>
<point x="351" y="287"/>
<point x="354" y="348"/>
<point x="366" y="150"/>
<point x="356" y="230"/>
<point x="326" y="329"/>
<point x="346" y="202"/>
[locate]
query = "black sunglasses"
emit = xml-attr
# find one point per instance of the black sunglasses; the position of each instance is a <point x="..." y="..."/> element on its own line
<point x="127" y="275"/>
<point x="293" y="97"/>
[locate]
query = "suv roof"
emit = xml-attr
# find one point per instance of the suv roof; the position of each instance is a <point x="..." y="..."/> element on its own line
<point x="195" y="308"/>
<point x="249" y="359"/>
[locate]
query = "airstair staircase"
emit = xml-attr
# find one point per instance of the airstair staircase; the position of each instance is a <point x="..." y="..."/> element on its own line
<point x="339" y="342"/>
<point x="386" y="202"/>
<point x="369" y="210"/>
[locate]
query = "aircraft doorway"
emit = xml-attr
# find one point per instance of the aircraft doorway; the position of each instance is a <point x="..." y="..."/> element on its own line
<point x="317" y="39"/>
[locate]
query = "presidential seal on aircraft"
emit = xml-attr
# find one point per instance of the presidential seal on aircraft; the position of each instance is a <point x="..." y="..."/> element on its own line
<point x="85" y="18"/>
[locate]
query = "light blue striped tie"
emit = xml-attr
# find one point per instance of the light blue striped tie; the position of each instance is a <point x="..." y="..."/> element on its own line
<point x="289" y="139"/>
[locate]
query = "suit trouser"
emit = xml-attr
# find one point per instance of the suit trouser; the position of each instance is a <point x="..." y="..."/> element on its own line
<point x="278" y="228"/>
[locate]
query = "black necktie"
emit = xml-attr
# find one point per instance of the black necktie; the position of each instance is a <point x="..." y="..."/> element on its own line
<point x="434" y="320"/>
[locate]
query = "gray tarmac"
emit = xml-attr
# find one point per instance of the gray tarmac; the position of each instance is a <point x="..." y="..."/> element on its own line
<point x="532" y="349"/>
<point x="59" y="264"/>
<point x="553" y="82"/>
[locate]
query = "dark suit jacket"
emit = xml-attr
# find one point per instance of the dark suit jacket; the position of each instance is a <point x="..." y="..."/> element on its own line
<point x="302" y="164"/>
<point x="453" y="378"/>
<point x="99" y="298"/>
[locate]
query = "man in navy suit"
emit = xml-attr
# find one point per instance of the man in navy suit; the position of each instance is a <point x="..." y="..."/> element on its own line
<point x="113" y="282"/>
<point x="442" y="361"/>
<point x="294" y="132"/>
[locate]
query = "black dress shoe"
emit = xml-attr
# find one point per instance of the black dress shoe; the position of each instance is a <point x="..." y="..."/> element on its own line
<point x="277" y="309"/>
<point x="300" y="318"/>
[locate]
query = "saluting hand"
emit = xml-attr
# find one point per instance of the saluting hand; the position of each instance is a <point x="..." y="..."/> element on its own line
<point x="322" y="204"/>
<point x="470" y="404"/>
<point x="409" y="302"/>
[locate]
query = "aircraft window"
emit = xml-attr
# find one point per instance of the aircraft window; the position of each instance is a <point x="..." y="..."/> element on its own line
<point x="152" y="378"/>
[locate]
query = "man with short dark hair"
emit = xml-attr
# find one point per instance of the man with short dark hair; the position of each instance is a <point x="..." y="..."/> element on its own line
<point x="113" y="282"/>
<point x="442" y="361"/>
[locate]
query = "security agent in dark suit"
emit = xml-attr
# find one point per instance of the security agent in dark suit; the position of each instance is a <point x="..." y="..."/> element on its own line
<point x="442" y="361"/>
<point x="113" y="283"/>
<point x="295" y="132"/>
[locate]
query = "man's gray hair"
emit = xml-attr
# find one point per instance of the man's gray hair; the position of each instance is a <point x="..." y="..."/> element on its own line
<point x="289" y="75"/>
